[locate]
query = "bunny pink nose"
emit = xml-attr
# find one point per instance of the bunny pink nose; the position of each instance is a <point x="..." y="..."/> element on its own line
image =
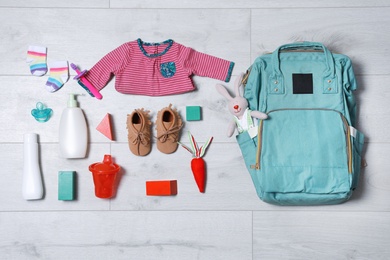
<point x="236" y="107"/>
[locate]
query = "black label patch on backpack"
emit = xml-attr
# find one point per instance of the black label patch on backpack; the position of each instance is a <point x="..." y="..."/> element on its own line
<point x="302" y="83"/>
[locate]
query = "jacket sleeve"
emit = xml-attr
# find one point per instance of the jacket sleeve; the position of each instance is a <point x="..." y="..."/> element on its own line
<point x="113" y="62"/>
<point x="205" y="65"/>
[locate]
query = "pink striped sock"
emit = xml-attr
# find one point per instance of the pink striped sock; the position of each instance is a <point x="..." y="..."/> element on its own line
<point x="36" y="57"/>
<point x="59" y="75"/>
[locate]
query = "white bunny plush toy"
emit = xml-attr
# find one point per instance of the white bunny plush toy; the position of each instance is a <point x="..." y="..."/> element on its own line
<point x="238" y="107"/>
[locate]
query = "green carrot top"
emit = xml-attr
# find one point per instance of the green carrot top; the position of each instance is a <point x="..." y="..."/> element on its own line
<point x="195" y="150"/>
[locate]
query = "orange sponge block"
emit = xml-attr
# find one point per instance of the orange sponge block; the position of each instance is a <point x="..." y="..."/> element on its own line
<point x="161" y="188"/>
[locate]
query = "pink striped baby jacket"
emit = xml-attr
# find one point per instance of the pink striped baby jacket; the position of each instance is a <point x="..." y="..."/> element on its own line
<point x="156" y="69"/>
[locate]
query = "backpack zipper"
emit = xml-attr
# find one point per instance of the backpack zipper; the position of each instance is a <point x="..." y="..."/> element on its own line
<point x="347" y="136"/>
<point x="349" y="144"/>
<point x="259" y="140"/>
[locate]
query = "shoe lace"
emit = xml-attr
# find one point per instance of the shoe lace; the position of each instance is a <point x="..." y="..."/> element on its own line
<point x="169" y="134"/>
<point x="141" y="138"/>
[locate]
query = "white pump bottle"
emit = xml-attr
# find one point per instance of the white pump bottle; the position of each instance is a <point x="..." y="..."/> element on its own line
<point x="32" y="188"/>
<point x="73" y="132"/>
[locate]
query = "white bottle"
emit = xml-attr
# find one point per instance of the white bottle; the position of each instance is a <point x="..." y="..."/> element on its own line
<point x="73" y="133"/>
<point x="32" y="178"/>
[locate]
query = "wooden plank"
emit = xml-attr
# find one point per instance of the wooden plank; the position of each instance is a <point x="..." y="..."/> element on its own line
<point x="321" y="235"/>
<point x="150" y="4"/>
<point x="83" y="36"/>
<point x="343" y="30"/>
<point x="126" y="235"/>
<point x="23" y="92"/>
<point x="50" y="164"/>
<point x="229" y="186"/>
<point x="243" y="4"/>
<point x="56" y="4"/>
<point x="373" y="107"/>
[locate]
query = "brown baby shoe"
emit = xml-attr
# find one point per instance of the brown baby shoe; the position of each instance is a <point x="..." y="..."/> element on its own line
<point x="168" y="125"/>
<point x="138" y="127"/>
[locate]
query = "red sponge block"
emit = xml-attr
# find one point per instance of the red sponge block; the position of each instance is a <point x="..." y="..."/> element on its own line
<point x="161" y="188"/>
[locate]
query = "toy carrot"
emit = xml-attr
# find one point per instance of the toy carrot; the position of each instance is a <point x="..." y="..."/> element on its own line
<point x="197" y="163"/>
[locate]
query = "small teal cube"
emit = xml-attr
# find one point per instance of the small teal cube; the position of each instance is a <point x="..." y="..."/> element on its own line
<point x="193" y="113"/>
<point x="66" y="183"/>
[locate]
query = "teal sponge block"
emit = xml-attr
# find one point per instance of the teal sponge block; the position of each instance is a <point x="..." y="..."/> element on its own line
<point x="193" y="113"/>
<point x="66" y="184"/>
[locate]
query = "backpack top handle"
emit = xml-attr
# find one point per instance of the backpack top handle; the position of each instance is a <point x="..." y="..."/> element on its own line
<point x="304" y="46"/>
<point x="277" y="75"/>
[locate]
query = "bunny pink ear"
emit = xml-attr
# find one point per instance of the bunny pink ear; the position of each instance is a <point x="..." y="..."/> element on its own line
<point x="238" y="83"/>
<point x="223" y="91"/>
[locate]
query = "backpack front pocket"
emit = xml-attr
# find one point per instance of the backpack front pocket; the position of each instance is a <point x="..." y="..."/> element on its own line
<point x="248" y="148"/>
<point x="305" y="150"/>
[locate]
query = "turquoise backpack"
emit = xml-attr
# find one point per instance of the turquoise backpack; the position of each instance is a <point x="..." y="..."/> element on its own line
<point x="308" y="151"/>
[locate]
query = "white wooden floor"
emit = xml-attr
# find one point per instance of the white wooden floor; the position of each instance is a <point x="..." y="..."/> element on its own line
<point x="228" y="221"/>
